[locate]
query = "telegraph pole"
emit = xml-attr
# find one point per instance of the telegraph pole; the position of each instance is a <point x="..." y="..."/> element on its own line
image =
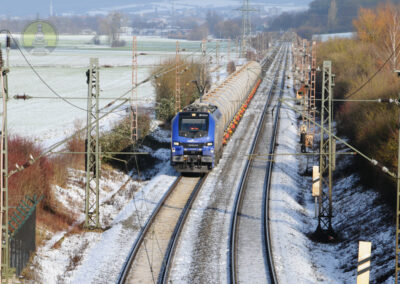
<point x="92" y="148"/>
<point x="326" y="156"/>
<point x="6" y="271"/>
<point x="177" y="80"/>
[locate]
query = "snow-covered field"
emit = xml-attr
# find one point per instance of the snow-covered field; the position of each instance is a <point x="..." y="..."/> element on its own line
<point x="47" y="118"/>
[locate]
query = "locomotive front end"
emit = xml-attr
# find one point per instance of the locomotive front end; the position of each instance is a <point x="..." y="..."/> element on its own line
<point x="192" y="145"/>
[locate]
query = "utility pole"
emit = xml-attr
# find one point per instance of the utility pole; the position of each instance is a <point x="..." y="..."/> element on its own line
<point x="92" y="148"/>
<point x="326" y="155"/>
<point x="134" y="105"/>
<point x="177" y="80"/>
<point x="6" y="271"/>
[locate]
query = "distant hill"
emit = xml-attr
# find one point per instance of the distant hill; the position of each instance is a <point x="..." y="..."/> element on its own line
<point x="24" y="8"/>
<point x="324" y="16"/>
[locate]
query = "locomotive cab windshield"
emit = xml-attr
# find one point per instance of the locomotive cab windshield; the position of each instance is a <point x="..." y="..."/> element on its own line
<point x="193" y="125"/>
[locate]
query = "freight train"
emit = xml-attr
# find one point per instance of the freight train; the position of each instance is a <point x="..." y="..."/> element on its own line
<point x="202" y="128"/>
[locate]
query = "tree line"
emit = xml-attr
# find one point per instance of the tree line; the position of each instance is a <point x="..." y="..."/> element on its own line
<point x="324" y="16"/>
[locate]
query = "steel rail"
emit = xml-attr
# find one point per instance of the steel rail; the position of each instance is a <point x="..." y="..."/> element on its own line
<point x="167" y="261"/>
<point x="135" y="248"/>
<point x="239" y="193"/>
<point x="267" y="185"/>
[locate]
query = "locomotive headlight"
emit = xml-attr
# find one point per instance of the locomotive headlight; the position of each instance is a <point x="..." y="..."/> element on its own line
<point x="176" y="143"/>
<point x="173" y="150"/>
<point x="209" y="143"/>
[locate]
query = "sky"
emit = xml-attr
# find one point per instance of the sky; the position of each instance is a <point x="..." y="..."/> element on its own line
<point x="23" y="8"/>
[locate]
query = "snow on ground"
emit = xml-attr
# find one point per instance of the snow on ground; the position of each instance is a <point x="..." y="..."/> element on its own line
<point x="94" y="257"/>
<point x="289" y="244"/>
<point x="201" y="255"/>
<point x="360" y="214"/>
<point x="49" y="119"/>
<point x="103" y="262"/>
<point x="51" y="263"/>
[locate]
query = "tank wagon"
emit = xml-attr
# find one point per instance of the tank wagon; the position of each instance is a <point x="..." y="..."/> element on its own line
<point x="202" y="128"/>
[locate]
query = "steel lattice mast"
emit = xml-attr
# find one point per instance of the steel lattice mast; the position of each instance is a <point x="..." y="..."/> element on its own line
<point x="6" y="271"/>
<point x="177" y="80"/>
<point x="312" y="106"/>
<point x="326" y="152"/>
<point x="134" y="105"/>
<point x="92" y="220"/>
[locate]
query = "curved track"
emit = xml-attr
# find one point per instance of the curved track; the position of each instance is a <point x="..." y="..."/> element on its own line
<point x="250" y="206"/>
<point x="149" y="257"/>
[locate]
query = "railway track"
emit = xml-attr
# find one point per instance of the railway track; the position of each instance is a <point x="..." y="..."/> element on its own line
<point x="246" y="262"/>
<point x="149" y="258"/>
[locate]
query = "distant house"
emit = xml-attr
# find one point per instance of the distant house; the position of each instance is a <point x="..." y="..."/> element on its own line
<point x="326" y="37"/>
<point x="87" y="32"/>
<point x="126" y="31"/>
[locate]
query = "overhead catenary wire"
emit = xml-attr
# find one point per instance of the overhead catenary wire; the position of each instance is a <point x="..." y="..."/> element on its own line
<point x="374" y="75"/>
<point x="371" y="160"/>
<point x="58" y="144"/>
<point x="74" y="105"/>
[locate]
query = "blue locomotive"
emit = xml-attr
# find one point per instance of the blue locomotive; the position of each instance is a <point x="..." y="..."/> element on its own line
<point x="199" y="130"/>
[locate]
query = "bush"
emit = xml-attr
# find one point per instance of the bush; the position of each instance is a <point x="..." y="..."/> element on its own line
<point x="36" y="179"/>
<point x="119" y="137"/>
<point x="77" y="144"/>
<point x="165" y="87"/>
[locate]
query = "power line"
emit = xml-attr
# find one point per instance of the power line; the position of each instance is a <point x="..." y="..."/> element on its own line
<point x="162" y="72"/>
<point x="374" y="75"/>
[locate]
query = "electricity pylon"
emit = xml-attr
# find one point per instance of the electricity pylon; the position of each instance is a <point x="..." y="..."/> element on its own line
<point x="246" y="26"/>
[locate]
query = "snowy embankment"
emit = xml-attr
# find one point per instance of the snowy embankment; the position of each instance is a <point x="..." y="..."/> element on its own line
<point x="97" y="257"/>
<point x="359" y="215"/>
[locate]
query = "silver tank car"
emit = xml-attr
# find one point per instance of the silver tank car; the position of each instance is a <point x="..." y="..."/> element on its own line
<point x="230" y="95"/>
